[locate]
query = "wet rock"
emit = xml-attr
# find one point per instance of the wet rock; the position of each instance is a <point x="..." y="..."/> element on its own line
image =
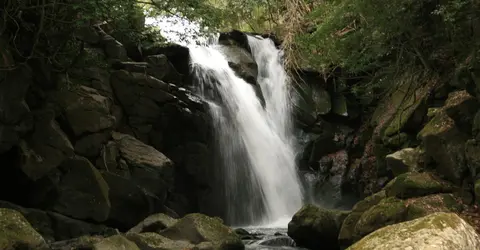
<point x="56" y="227"/>
<point x="17" y="233"/>
<point x="410" y="185"/>
<point x="85" y="109"/>
<point x="46" y="148"/>
<point x="279" y="241"/>
<point x="403" y="161"/>
<point x="312" y="101"/>
<point x="435" y="231"/>
<point x="314" y="227"/>
<point x="82" y="191"/>
<point x="198" y="228"/>
<point x="477" y="191"/>
<point x="154" y="223"/>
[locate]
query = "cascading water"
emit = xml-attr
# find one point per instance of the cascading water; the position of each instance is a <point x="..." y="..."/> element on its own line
<point x="255" y="143"/>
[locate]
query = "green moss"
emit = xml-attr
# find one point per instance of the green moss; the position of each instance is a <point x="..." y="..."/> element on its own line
<point x="388" y="211"/>
<point x="16" y="232"/>
<point x="410" y="185"/>
<point x="368" y="202"/>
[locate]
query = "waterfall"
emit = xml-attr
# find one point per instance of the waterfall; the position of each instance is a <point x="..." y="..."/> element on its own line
<point x="255" y="143"/>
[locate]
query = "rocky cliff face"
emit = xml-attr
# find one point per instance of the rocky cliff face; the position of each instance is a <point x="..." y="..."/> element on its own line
<point x="109" y="142"/>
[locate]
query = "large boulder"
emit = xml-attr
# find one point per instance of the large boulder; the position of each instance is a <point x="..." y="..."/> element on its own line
<point x="116" y="242"/>
<point x="436" y="231"/>
<point x="141" y="97"/>
<point x="16" y="233"/>
<point x="46" y="148"/>
<point x="444" y="137"/>
<point x="126" y="196"/>
<point x="199" y="228"/>
<point x="85" y="109"/>
<point x="386" y="212"/>
<point x="410" y="185"/>
<point x="314" y="227"/>
<point x="148" y="167"/>
<point x="423" y="206"/>
<point x="154" y="223"/>
<point x="82" y="192"/>
<point x="404" y="160"/>
<point x="153" y="241"/>
<point x="347" y="234"/>
<point x="56" y="227"/>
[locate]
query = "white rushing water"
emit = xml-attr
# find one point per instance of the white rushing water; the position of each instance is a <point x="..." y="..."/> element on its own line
<point x="255" y="143"/>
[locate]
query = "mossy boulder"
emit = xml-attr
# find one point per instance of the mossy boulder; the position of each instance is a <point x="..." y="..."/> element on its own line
<point x="153" y="241"/>
<point x="410" y="185"/>
<point x="388" y="211"/>
<point x="17" y="233"/>
<point x="423" y="206"/>
<point x="116" y="242"/>
<point x="347" y="234"/>
<point x="461" y="107"/>
<point x="403" y="108"/>
<point x="198" y="228"/>
<point x="314" y="227"/>
<point x="436" y="231"/>
<point x="403" y="161"/>
<point x="444" y="143"/>
<point x="154" y="223"/>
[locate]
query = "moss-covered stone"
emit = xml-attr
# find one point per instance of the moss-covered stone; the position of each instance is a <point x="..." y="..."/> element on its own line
<point x="435" y="231"/>
<point x="368" y="202"/>
<point x="197" y="228"/>
<point x="444" y="142"/>
<point x="396" y="141"/>
<point x="403" y="161"/>
<point x="388" y="211"/>
<point x="314" y="227"/>
<point x="115" y="242"/>
<point x="410" y="185"/>
<point x="347" y="234"/>
<point x="17" y="233"/>
<point x="154" y="223"/>
<point x="423" y="206"/>
<point x="153" y="241"/>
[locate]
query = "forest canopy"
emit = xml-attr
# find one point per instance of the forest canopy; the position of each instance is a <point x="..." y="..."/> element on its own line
<point x="371" y="40"/>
